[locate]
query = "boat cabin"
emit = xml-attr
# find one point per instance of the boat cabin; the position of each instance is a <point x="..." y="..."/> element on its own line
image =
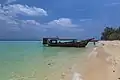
<point x="45" y="40"/>
<point x="57" y="40"/>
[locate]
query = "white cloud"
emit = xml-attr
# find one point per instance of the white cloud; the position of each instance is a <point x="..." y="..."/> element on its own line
<point x="66" y="22"/>
<point x="31" y="22"/>
<point x="26" y="28"/>
<point x="9" y="1"/>
<point x="112" y="4"/>
<point x="15" y="28"/>
<point x="9" y="13"/>
<point x="10" y="21"/>
<point x="14" y="21"/>
<point x="24" y="10"/>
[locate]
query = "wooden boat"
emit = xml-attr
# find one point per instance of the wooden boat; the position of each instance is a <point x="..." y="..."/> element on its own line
<point x="56" y="42"/>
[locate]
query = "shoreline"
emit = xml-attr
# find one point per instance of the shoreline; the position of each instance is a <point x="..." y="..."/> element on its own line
<point x="103" y="62"/>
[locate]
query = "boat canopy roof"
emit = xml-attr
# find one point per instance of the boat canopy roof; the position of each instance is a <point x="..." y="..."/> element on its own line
<point x="59" y="39"/>
<point x="67" y="39"/>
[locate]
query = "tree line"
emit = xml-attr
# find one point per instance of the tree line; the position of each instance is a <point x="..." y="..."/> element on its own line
<point x="110" y="33"/>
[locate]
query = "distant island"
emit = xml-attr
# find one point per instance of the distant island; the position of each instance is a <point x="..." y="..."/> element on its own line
<point x="111" y="33"/>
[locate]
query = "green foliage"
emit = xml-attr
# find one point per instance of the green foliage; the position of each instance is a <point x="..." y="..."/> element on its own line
<point x="110" y="33"/>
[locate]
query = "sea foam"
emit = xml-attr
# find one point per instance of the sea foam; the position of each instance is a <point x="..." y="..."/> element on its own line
<point x="77" y="76"/>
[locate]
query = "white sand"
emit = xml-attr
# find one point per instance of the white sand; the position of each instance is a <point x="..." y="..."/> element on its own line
<point x="103" y="62"/>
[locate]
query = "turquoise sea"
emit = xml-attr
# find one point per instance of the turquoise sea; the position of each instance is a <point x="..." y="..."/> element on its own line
<point x="29" y="60"/>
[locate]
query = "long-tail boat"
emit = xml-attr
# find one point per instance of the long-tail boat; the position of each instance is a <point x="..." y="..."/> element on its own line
<point x="57" y="42"/>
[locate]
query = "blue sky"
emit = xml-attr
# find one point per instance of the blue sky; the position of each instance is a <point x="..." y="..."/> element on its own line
<point x="33" y="19"/>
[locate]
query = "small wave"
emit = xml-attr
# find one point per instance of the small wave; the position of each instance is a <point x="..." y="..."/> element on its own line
<point x="93" y="53"/>
<point x="77" y="76"/>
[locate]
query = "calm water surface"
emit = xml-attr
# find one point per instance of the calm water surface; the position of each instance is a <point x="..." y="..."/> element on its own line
<point x="29" y="60"/>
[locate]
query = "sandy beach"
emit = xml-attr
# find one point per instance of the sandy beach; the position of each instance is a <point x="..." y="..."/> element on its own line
<point x="101" y="64"/>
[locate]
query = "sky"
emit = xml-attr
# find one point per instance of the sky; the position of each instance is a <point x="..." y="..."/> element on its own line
<point x="34" y="19"/>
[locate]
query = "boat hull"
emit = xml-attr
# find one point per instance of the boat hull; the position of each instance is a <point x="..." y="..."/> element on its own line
<point x="67" y="45"/>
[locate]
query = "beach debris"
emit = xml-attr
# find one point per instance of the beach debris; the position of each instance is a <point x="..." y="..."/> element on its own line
<point x="49" y="64"/>
<point x="119" y="78"/>
<point x="63" y="75"/>
<point x="103" y="44"/>
<point x="114" y="61"/>
<point x="113" y="70"/>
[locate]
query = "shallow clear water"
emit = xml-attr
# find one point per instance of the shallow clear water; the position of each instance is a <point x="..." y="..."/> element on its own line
<point x="22" y="60"/>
